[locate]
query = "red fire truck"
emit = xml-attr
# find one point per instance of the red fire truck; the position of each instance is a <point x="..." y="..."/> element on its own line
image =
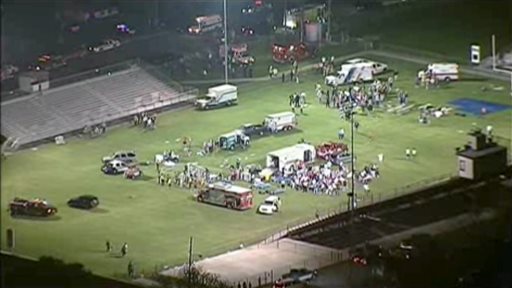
<point x="290" y="53"/>
<point x="227" y="195"/>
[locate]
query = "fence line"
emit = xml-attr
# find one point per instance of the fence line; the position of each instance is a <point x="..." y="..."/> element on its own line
<point x="416" y="52"/>
<point x="93" y="73"/>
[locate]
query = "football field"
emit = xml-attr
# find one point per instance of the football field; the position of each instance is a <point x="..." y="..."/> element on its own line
<point x="157" y="221"/>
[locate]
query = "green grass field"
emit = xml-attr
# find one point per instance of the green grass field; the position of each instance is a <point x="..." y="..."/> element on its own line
<point x="157" y="221"/>
<point x="443" y="27"/>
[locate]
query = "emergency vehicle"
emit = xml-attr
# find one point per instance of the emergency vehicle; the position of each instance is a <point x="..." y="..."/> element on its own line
<point x="48" y="62"/>
<point x="290" y="53"/>
<point x="283" y="121"/>
<point x="206" y="24"/>
<point x="443" y="71"/>
<point x="351" y="73"/>
<point x="238" y="54"/>
<point x="377" y="68"/>
<point x="227" y="195"/>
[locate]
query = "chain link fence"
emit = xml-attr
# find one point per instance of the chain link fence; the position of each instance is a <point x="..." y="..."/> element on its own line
<point x="89" y="74"/>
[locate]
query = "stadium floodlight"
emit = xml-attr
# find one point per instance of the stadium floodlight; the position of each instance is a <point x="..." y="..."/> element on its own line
<point x="494" y="66"/>
<point x="225" y="42"/>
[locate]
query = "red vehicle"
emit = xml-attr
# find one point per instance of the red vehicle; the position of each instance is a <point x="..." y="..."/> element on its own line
<point x="290" y="53"/>
<point x="34" y="207"/>
<point x="227" y="195"/>
<point x="326" y="150"/>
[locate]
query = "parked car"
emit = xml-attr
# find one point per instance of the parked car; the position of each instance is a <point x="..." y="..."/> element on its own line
<point x="261" y="187"/>
<point x="114" y="167"/>
<point x="125" y="156"/>
<point x="369" y="253"/>
<point x="296" y="276"/>
<point x="35" y="207"/>
<point x="252" y="130"/>
<point x="84" y="202"/>
<point x="271" y="205"/>
<point x="105" y="45"/>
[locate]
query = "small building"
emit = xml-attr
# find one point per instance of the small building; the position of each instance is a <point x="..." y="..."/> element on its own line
<point x="481" y="157"/>
<point x="34" y="81"/>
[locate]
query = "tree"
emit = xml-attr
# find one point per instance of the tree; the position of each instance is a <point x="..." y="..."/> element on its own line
<point x="198" y="279"/>
<point x="47" y="272"/>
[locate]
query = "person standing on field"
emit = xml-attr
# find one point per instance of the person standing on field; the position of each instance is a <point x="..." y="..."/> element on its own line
<point x="124" y="249"/>
<point x="131" y="269"/>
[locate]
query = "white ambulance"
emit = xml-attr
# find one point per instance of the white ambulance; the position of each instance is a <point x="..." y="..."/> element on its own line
<point x="281" y="121"/>
<point x="443" y="71"/>
<point x="206" y="24"/>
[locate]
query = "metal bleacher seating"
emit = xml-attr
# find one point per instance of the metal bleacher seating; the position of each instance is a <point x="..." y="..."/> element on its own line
<point x="69" y="108"/>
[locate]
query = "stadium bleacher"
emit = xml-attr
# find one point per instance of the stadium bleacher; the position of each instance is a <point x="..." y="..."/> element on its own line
<point x="387" y="221"/>
<point x="71" y="107"/>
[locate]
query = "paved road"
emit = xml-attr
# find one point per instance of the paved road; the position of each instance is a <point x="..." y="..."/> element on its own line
<point x="379" y="53"/>
<point x="144" y="46"/>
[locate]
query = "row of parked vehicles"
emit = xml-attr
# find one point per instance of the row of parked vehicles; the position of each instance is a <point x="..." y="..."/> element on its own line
<point x="227" y="195"/>
<point x="41" y="208"/>
<point x="273" y="123"/>
<point x="121" y="162"/>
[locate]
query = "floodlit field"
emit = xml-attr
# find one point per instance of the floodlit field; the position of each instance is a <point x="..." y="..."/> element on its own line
<point x="156" y="221"/>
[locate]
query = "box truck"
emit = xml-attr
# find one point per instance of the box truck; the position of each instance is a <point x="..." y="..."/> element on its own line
<point x="218" y="96"/>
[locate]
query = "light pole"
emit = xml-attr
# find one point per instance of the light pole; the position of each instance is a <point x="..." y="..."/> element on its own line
<point x="225" y="42"/>
<point x="190" y="245"/>
<point x="494" y="67"/>
<point x="329" y="20"/>
<point x="352" y="200"/>
<point x="353" y="170"/>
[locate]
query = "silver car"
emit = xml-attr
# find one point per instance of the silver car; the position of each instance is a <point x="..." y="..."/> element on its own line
<point x="124" y="156"/>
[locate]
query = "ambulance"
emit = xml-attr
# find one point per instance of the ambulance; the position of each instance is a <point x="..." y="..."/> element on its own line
<point x="443" y="71"/>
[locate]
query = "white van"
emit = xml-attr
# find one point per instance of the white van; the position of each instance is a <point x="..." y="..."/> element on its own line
<point x="444" y="71"/>
<point x="281" y="121"/>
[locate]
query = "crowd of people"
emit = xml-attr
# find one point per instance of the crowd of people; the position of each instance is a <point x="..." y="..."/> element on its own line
<point x="147" y="121"/>
<point x="192" y="176"/>
<point x="95" y="130"/>
<point x="325" y="179"/>
<point x="297" y="101"/>
<point x="364" y="96"/>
